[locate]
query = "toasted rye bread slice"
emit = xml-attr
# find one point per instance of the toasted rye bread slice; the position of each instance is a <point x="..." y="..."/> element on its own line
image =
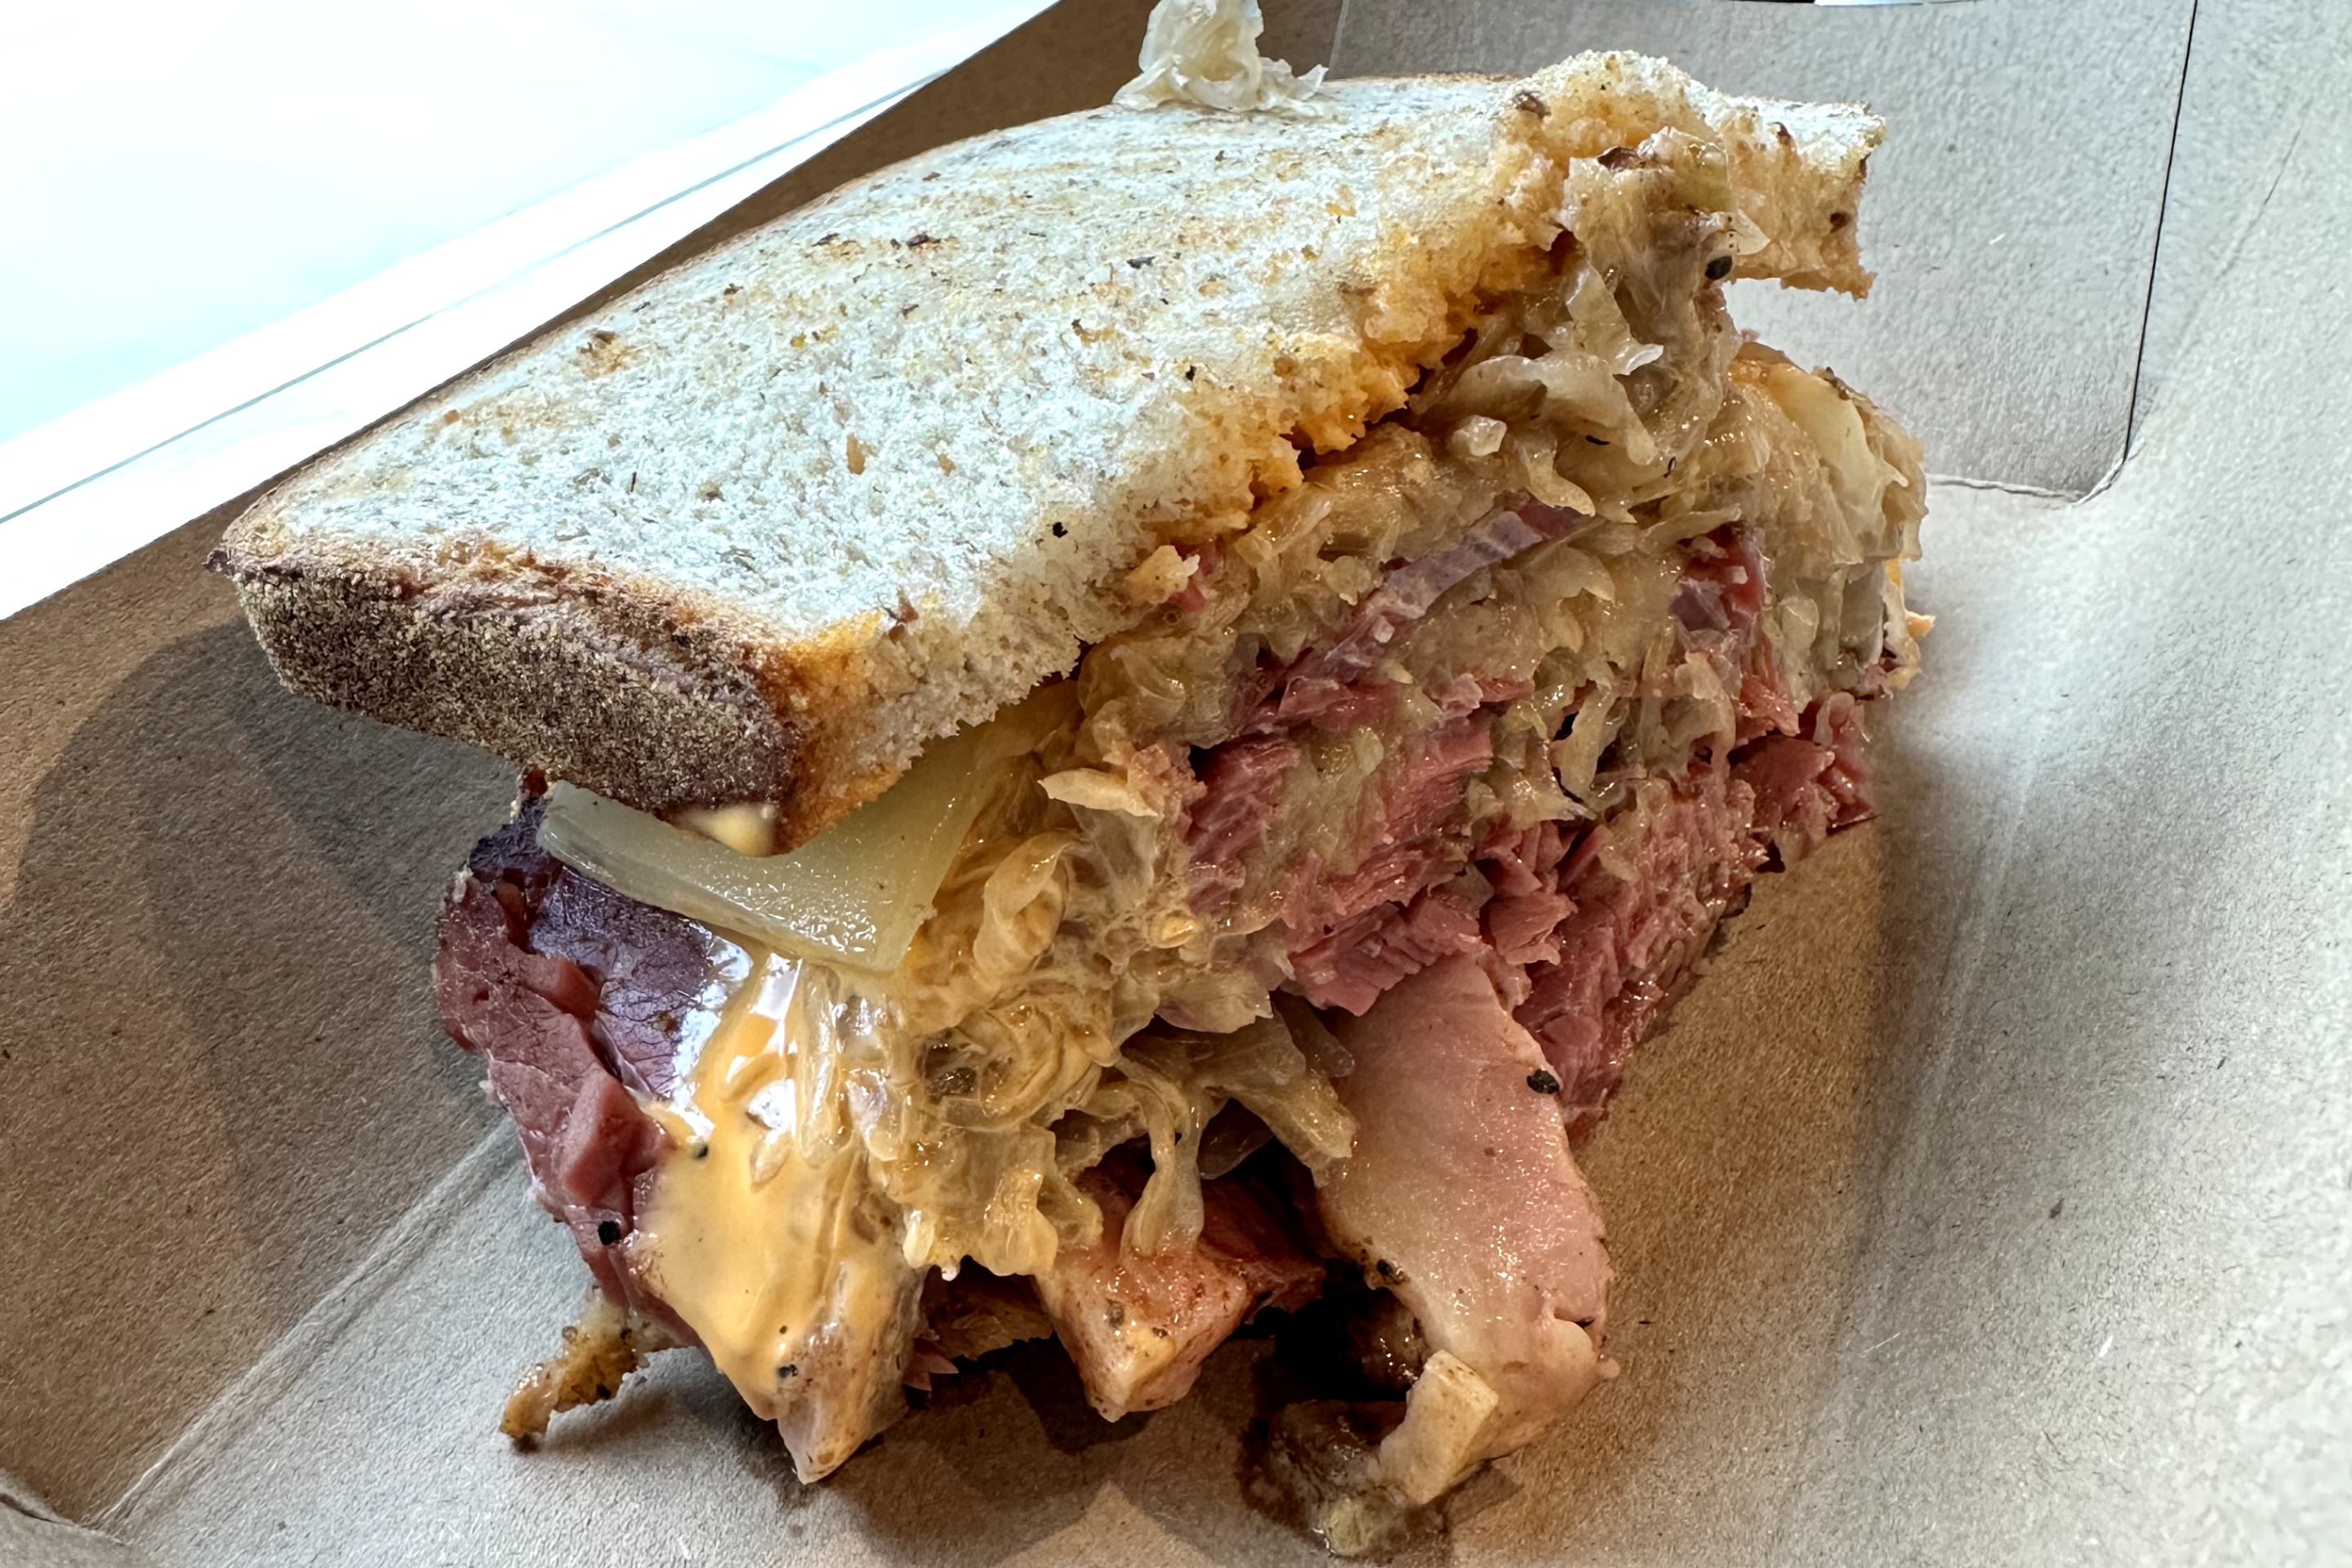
<point x="763" y="527"/>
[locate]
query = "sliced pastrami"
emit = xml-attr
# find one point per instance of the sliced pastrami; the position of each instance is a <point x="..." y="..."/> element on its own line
<point x="1628" y="945"/>
<point x="1589" y="959"/>
<point x="1809" y="784"/>
<point x="572" y="992"/>
<point x="1323" y="689"/>
<point x="1349" y="967"/>
<point x="1345" y="931"/>
<point x="1627" y="949"/>
<point x="1240" y="786"/>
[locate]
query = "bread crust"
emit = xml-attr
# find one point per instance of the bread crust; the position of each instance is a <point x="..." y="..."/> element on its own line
<point x="762" y="527"/>
<point x="599" y="685"/>
<point x="625" y="687"/>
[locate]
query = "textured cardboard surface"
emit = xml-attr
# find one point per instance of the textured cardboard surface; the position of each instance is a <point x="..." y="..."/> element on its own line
<point x="2245" y="103"/>
<point x="31" y="1533"/>
<point x="1991" y="1203"/>
<point x="38" y="1543"/>
<point x="220" y="1073"/>
<point x="2011" y="216"/>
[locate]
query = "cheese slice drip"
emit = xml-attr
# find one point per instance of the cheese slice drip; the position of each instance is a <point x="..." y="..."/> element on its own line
<point x="763" y="1230"/>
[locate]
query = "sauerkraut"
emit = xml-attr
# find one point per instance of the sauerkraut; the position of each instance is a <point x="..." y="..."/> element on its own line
<point x="1204" y="52"/>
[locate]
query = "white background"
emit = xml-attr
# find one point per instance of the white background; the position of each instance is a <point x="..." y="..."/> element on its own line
<point x="174" y="177"/>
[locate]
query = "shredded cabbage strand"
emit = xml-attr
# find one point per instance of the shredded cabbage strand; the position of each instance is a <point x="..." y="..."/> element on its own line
<point x="1204" y="52"/>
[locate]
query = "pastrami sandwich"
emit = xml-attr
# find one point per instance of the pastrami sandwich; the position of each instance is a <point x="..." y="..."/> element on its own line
<point x="1125" y="724"/>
